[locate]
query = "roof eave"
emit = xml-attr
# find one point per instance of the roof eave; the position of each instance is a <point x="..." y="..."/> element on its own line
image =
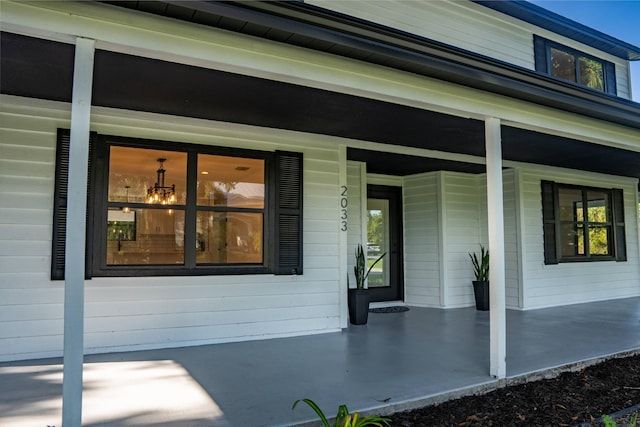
<point x="559" y="24"/>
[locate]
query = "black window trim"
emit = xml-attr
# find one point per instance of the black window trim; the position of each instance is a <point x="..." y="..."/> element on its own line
<point x="552" y="224"/>
<point x="542" y="54"/>
<point x="279" y="258"/>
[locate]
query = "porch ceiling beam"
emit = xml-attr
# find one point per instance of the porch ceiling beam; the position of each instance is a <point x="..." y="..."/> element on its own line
<point x="497" y="301"/>
<point x="75" y="240"/>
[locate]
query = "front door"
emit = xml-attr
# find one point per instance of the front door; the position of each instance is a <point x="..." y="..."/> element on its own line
<point x="384" y="235"/>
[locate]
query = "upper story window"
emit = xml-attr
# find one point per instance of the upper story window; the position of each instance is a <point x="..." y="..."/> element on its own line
<point x="571" y="65"/>
<point x="582" y="223"/>
<point x="161" y="208"/>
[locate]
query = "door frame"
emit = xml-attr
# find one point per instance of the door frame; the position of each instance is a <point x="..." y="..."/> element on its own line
<point x="395" y="292"/>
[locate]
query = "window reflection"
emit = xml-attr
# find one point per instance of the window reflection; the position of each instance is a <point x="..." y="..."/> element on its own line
<point x="563" y="64"/>
<point x="229" y="238"/>
<point x="157" y="238"/>
<point x="230" y="181"/>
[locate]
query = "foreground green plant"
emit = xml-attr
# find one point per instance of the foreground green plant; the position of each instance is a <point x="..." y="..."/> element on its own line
<point x="610" y="422"/>
<point x="344" y="418"/>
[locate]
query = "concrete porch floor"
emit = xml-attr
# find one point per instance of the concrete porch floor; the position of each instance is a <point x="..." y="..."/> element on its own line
<point x="397" y="361"/>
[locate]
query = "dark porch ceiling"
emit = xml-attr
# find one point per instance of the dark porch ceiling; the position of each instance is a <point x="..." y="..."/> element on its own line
<point x="42" y="69"/>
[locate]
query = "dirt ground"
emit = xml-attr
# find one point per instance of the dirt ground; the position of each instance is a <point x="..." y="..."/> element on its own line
<point x="570" y="399"/>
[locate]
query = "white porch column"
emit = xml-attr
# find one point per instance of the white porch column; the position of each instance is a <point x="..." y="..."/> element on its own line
<point x="498" y="326"/>
<point x="75" y="240"/>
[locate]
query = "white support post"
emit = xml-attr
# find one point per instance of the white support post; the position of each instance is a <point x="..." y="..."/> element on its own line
<point x="498" y="318"/>
<point x="343" y="196"/>
<point x="76" y="230"/>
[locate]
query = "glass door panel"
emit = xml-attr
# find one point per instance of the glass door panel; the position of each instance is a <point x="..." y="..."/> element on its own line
<point x="378" y="241"/>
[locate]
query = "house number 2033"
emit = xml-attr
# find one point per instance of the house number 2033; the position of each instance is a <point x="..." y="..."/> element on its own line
<point x="343" y="208"/>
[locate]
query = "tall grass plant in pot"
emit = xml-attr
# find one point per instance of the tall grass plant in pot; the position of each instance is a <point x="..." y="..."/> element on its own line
<point x="481" y="272"/>
<point x="358" y="298"/>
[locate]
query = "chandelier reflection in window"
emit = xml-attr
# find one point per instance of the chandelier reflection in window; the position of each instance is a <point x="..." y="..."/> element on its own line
<point x="159" y="193"/>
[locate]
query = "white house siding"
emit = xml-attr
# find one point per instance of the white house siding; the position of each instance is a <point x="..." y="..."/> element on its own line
<point x="152" y="312"/>
<point x="462" y="233"/>
<point x="471" y="27"/>
<point x="568" y="283"/>
<point x="422" y="219"/>
<point x="511" y="245"/>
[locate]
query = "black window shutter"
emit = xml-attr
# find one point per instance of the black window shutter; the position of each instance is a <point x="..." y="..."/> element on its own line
<point x="610" y="78"/>
<point x="540" y="54"/>
<point x="549" y="222"/>
<point x="58" y="245"/>
<point x="618" y="224"/>
<point x="288" y="213"/>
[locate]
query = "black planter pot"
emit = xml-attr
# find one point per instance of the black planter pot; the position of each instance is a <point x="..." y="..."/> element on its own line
<point x="481" y="291"/>
<point x="358" y="300"/>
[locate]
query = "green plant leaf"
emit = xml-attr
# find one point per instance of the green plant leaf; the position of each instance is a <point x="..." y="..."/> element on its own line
<point x="481" y="265"/>
<point x="360" y="266"/>
<point x="316" y="408"/>
<point x="343" y="418"/>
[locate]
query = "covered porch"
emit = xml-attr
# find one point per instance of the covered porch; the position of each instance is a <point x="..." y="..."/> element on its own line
<point x="398" y="361"/>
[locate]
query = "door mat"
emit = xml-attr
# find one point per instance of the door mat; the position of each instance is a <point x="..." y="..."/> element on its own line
<point x="394" y="309"/>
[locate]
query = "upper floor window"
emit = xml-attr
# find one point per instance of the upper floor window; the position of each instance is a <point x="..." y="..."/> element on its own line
<point x="571" y="65"/>
<point x="161" y="208"/>
<point x="582" y="223"/>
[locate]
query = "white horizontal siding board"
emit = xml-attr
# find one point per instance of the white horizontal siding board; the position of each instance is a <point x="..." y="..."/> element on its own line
<point x="8" y="199"/>
<point x="38" y="155"/>
<point x="22" y="312"/>
<point x="25" y="216"/>
<point x="512" y="255"/>
<point x="39" y="248"/>
<point x="207" y="305"/>
<point x="461" y="233"/>
<point x="31" y="347"/>
<point x="26" y="184"/>
<point x="25" y="167"/>
<point x="421" y="242"/>
<point x="461" y="24"/>
<point x="180" y="337"/>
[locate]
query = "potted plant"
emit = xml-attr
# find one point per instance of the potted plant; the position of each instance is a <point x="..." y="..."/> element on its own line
<point x="481" y="284"/>
<point x="358" y="297"/>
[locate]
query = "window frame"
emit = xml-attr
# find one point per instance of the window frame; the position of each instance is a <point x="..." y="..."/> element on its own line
<point x="190" y="207"/>
<point x="282" y="215"/>
<point x="542" y="55"/>
<point x="552" y="224"/>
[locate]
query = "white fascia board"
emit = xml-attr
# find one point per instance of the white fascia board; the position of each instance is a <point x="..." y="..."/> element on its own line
<point x="166" y="39"/>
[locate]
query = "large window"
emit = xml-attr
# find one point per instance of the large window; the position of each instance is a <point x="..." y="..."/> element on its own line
<point x="582" y="223"/>
<point x="159" y="208"/>
<point x="571" y="65"/>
